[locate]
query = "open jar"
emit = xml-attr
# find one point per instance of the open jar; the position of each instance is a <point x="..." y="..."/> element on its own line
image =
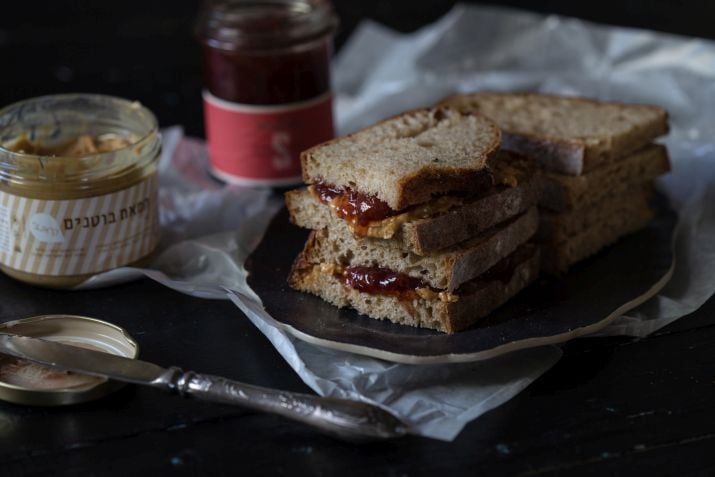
<point x="78" y="187"/>
<point x="267" y="78"/>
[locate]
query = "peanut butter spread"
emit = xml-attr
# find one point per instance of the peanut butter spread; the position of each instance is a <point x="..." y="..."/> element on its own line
<point x="83" y="145"/>
<point x="54" y="172"/>
<point x="512" y="170"/>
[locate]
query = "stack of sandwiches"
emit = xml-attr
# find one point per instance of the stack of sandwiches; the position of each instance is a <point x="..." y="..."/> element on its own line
<point x="419" y="219"/>
<point x="430" y="218"/>
<point x="599" y="159"/>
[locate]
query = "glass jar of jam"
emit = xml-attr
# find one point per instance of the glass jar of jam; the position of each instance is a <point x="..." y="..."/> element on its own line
<point x="267" y="86"/>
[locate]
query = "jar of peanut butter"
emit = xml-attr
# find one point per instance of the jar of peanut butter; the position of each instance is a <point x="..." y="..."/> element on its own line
<point x="78" y="187"/>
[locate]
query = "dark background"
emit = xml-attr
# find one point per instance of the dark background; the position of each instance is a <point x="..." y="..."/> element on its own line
<point x="610" y="406"/>
<point x="145" y="49"/>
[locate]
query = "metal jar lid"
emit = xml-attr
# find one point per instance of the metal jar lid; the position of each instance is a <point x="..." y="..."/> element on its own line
<point x="22" y="382"/>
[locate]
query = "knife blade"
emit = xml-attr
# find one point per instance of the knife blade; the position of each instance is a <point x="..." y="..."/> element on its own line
<point x="351" y="420"/>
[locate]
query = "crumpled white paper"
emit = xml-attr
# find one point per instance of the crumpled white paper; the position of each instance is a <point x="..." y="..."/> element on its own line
<point x="209" y="230"/>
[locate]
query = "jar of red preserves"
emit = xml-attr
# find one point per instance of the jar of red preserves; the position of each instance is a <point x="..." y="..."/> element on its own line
<point x="267" y="86"/>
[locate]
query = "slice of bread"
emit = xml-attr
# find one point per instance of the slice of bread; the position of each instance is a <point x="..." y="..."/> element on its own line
<point x="561" y="226"/>
<point x="407" y="159"/>
<point x="571" y="237"/>
<point x="445" y="270"/>
<point x="562" y="193"/>
<point x="423" y="234"/>
<point x="474" y="300"/>
<point x="567" y="135"/>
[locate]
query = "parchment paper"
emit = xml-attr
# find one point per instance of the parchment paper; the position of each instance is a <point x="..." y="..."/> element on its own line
<point x="209" y="229"/>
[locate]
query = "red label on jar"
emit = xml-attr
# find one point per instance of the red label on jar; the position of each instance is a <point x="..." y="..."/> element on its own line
<point x="261" y="145"/>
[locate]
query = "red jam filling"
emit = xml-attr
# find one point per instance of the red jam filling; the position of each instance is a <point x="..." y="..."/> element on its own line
<point x="258" y="52"/>
<point x="353" y="206"/>
<point x="381" y="281"/>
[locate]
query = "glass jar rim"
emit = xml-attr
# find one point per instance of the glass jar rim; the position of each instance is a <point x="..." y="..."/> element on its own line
<point x="10" y="160"/>
<point x="153" y="126"/>
<point x="235" y="24"/>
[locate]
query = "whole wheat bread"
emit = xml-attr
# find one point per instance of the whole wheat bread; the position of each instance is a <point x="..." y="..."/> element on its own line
<point x="444" y="270"/>
<point x="470" y="216"/>
<point x="562" y="193"/>
<point x="567" y="135"/>
<point x="572" y="238"/>
<point x="560" y="226"/>
<point x="407" y="159"/>
<point x="476" y="298"/>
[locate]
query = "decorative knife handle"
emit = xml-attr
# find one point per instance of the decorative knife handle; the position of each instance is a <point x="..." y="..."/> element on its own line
<point x="352" y="420"/>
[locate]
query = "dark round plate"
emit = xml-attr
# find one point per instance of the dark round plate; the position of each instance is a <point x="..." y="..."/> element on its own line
<point x="552" y="310"/>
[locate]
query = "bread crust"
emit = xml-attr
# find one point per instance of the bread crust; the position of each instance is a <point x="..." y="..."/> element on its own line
<point x="427" y="183"/>
<point x="436" y="233"/>
<point x="471" y="262"/>
<point x="568" y="238"/>
<point x="443" y="270"/>
<point x="570" y="156"/>
<point x="558" y="258"/>
<point x="479" y="298"/>
<point x="612" y="209"/>
<point x="439" y="176"/>
<point x="430" y="235"/>
<point x="564" y="193"/>
<point x="477" y="302"/>
<point x="566" y="157"/>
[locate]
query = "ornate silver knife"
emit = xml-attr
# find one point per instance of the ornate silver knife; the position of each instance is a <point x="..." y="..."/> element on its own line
<point x="352" y="420"/>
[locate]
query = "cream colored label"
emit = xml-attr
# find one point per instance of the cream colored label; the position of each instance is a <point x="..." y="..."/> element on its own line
<point x="75" y="237"/>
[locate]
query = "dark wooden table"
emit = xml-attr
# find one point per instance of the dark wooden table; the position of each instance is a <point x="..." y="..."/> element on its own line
<point x="610" y="406"/>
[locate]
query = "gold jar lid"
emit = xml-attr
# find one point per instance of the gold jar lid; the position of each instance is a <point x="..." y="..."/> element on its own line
<point x="26" y="383"/>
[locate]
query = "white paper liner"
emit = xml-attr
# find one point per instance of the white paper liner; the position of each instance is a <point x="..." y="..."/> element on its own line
<point x="209" y="229"/>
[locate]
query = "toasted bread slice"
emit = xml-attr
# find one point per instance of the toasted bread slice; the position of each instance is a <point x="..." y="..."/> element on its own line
<point x="316" y="273"/>
<point x="444" y="270"/>
<point x="573" y="236"/>
<point x="440" y="223"/>
<point x="408" y="159"/>
<point x="567" y="135"/>
<point x="563" y="193"/>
